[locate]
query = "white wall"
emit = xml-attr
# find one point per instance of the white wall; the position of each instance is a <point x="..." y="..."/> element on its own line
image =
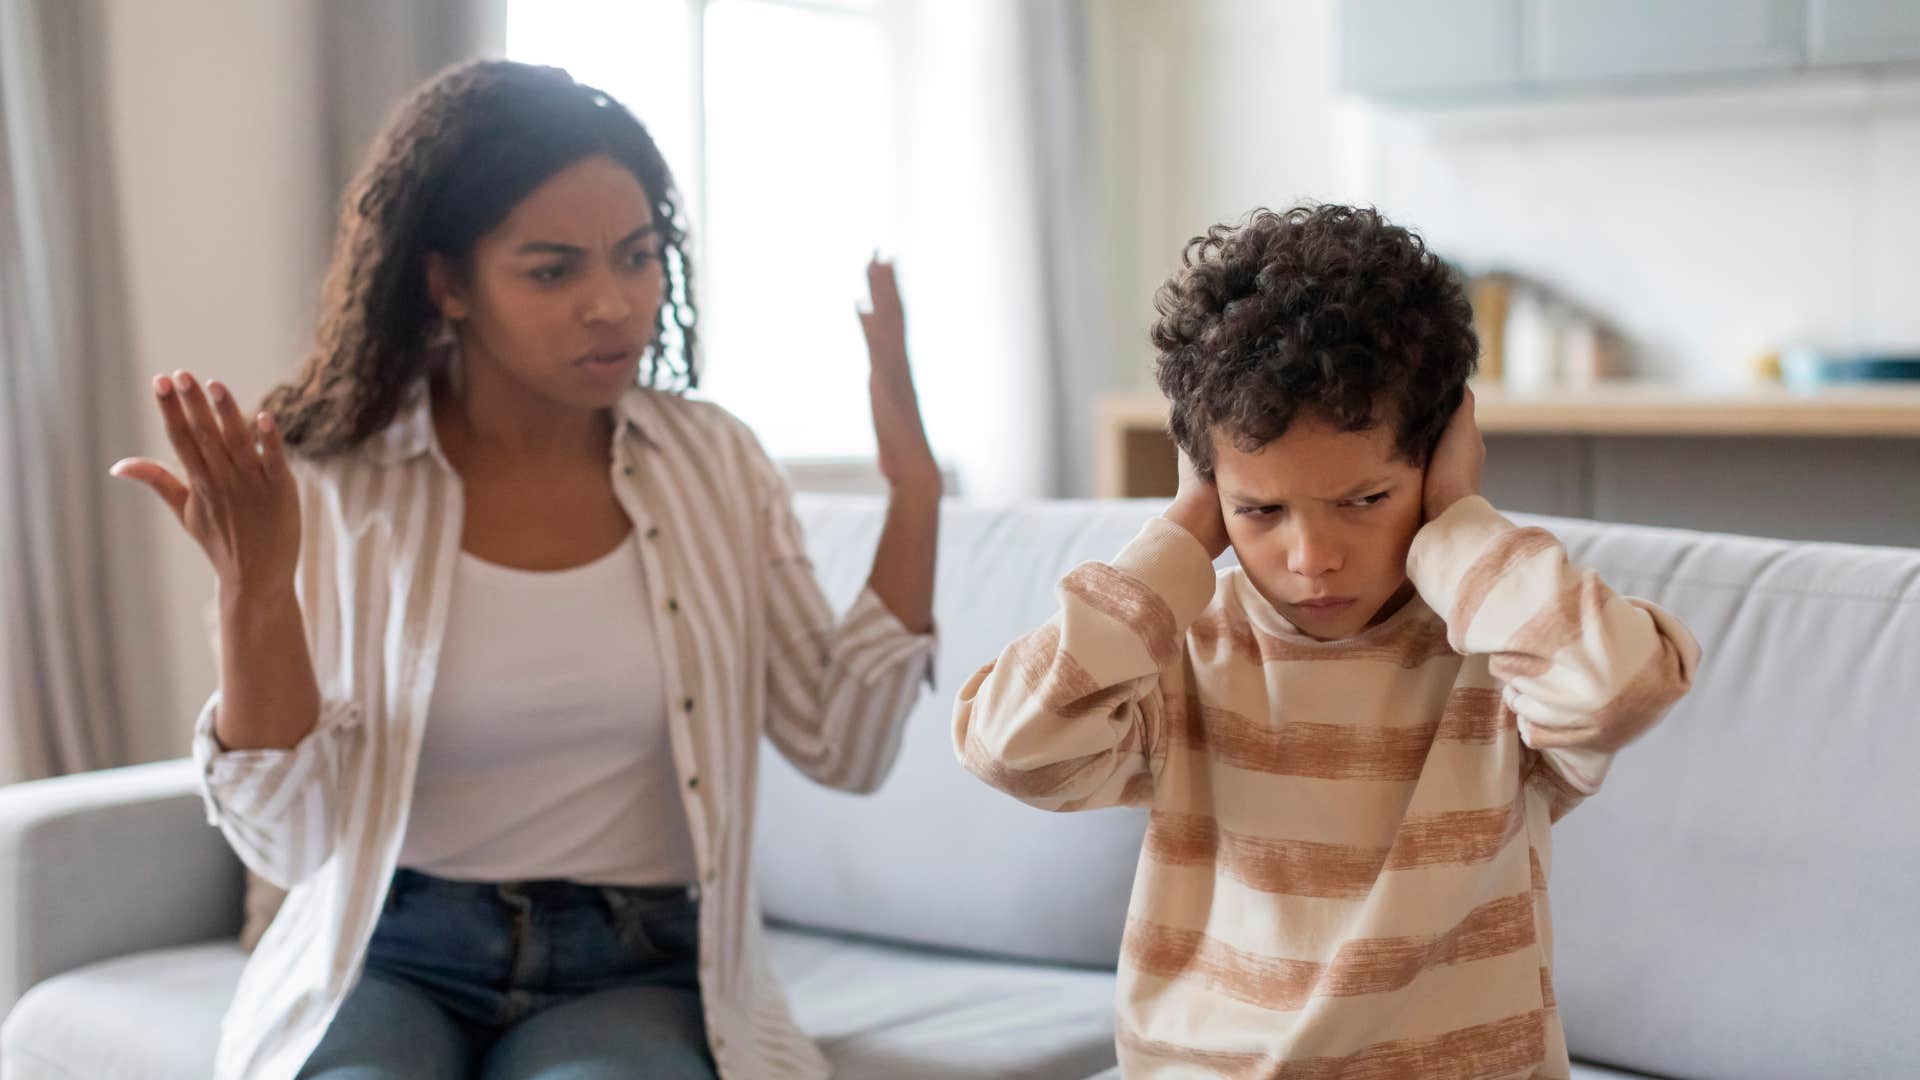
<point x="1710" y="226"/>
<point x="223" y="214"/>
<point x="1203" y="110"/>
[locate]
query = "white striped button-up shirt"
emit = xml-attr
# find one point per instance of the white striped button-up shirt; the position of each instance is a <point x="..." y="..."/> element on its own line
<point x="748" y="643"/>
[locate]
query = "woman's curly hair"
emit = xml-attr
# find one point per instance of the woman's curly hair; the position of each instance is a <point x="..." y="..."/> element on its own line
<point x="1329" y="310"/>
<point x="451" y="164"/>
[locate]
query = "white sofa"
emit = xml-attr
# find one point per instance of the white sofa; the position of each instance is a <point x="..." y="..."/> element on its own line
<point x="1739" y="902"/>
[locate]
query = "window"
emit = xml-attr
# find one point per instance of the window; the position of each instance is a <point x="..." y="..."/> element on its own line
<point x="786" y="155"/>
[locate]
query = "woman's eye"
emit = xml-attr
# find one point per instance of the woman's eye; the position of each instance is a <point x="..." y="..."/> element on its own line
<point x="547" y="275"/>
<point x="640" y="259"/>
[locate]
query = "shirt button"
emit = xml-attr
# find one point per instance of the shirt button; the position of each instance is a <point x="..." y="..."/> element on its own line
<point x="673" y="604"/>
<point x="628" y="470"/>
<point x="687" y="704"/>
<point x="653" y="532"/>
<point x="693" y="783"/>
<point x="712" y="875"/>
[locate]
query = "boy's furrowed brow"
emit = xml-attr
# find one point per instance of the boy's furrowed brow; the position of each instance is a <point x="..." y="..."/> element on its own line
<point x="1367" y="487"/>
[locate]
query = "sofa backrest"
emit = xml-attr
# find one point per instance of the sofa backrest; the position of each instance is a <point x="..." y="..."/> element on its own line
<point x="1739" y="901"/>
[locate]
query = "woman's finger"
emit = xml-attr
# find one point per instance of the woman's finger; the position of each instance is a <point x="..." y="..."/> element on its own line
<point x="273" y="449"/>
<point x="180" y="429"/>
<point x="154" y="475"/>
<point x="235" y="432"/>
<point x="205" y="429"/>
<point x="883" y="288"/>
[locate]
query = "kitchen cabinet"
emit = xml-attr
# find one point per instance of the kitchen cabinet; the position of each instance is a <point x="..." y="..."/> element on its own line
<point x="1619" y="40"/>
<point x="1388" y="46"/>
<point x="1435" y="53"/>
<point x="1863" y="32"/>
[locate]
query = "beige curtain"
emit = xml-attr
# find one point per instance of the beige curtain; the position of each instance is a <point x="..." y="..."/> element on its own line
<point x="89" y="663"/>
<point x="374" y="51"/>
<point x="68" y="573"/>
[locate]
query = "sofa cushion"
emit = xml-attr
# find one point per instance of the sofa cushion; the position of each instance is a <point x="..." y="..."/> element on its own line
<point x="1601" y="1072"/>
<point x="936" y="857"/>
<point x="149" y="1016"/>
<point x="1737" y="902"/>
<point x="877" y="1012"/>
<point x="881" y="1013"/>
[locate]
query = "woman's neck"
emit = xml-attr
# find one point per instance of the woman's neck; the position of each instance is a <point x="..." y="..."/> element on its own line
<point x="490" y="416"/>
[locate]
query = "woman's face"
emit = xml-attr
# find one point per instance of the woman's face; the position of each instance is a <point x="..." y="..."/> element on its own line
<point x="563" y="294"/>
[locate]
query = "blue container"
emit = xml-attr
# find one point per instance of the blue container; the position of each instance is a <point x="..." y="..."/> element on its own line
<point x="1806" y="371"/>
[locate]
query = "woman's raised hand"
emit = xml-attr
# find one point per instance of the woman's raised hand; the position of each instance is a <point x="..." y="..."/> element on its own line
<point x="238" y="499"/>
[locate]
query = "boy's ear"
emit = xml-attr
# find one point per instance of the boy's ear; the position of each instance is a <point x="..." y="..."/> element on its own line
<point x="444" y="288"/>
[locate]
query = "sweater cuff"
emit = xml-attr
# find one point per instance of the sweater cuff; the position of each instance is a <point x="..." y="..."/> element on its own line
<point x="1172" y="563"/>
<point x="1448" y="546"/>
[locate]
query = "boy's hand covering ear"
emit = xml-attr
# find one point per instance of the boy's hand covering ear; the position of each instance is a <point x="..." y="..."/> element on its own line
<point x="1196" y="508"/>
<point x="1453" y="473"/>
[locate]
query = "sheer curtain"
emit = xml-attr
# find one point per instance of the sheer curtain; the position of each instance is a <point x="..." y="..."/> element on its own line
<point x="951" y="136"/>
<point x="998" y="225"/>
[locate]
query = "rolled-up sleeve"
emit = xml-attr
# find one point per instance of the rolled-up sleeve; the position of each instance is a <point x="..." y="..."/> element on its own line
<point x="278" y="808"/>
<point x="838" y="689"/>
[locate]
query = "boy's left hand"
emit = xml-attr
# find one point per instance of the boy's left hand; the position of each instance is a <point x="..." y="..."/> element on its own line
<point x="1453" y="473"/>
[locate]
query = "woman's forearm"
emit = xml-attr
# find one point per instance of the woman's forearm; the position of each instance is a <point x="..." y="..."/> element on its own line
<point x="269" y="698"/>
<point x="903" y="563"/>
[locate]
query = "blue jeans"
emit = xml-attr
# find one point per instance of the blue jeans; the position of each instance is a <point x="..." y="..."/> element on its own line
<point x="546" y="979"/>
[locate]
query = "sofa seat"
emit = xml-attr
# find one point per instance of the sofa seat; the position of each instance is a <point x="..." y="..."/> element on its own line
<point x="877" y="1011"/>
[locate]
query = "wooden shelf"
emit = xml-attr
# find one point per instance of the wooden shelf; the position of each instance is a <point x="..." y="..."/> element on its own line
<point x="1133" y="425"/>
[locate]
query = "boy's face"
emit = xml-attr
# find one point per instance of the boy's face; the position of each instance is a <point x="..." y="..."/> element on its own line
<point x="1321" y="520"/>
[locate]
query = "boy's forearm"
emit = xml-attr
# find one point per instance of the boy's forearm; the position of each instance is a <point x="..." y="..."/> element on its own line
<point x="1056" y="719"/>
<point x="1588" y="668"/>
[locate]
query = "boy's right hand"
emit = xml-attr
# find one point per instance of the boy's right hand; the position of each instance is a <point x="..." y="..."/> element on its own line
<point x="1196" y="508"/>
<point x="239" y="500"/>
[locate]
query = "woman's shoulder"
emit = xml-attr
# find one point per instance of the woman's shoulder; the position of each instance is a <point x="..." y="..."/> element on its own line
<point x="706" y="425"/>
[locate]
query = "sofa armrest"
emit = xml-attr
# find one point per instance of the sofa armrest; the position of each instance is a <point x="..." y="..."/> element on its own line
<point x="102" y="864"/>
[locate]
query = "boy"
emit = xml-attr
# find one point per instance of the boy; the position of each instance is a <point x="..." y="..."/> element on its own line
<point x="1352" y="744"/>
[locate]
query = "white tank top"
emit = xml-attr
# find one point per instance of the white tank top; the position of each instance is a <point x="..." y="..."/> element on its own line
<point x="546" y="753"/>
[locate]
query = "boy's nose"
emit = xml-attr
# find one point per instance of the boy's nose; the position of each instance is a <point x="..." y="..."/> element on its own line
<point x="1312" y="557"/>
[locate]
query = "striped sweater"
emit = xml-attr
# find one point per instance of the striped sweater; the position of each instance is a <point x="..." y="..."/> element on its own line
<point x="748" y="645"/>
<point x="1345" y="868"/>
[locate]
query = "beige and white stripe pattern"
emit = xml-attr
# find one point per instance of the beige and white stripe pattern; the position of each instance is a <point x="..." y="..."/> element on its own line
<point x="1345" y="868"/>
<point x="749" y="644"/>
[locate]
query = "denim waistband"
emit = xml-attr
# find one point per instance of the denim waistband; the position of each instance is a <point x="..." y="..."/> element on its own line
<point x="548" y="893"/>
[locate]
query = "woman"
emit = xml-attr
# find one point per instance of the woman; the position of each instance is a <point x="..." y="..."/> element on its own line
<point x="504" y="617"/>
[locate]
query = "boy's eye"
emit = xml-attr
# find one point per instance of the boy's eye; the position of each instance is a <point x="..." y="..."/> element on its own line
<point x="1257" y="511"/>
<point x="641" y="258"/>
<point x="1375" y="499"/>
<point x="547" y="275"/>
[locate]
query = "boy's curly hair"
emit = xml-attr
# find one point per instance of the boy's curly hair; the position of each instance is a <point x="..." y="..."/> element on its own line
<point x="1329" y="310"/>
